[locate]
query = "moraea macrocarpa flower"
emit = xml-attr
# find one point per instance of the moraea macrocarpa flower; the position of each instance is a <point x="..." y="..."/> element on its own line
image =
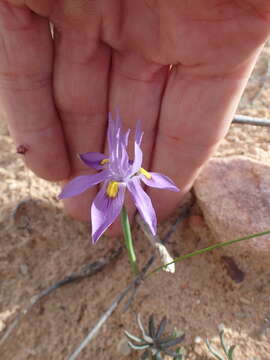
<point x="117" y="174"/>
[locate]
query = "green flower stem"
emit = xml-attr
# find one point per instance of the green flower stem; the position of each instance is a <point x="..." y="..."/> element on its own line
<point x="209" y="248"/>
<point x="128" y="240"/>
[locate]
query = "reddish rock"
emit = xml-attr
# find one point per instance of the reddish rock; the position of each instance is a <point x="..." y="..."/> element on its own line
<point x="234" y="196"/>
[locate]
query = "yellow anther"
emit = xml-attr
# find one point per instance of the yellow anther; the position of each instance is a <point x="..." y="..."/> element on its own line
<point x="104" y="161"/>
<point x="112" y="189"/>
<point x="145" y="173"/>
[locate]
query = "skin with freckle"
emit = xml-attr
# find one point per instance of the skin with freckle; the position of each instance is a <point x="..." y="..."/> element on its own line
<point x="56" y="92"/>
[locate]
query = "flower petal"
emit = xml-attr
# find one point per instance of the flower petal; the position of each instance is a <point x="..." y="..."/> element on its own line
<point x="138" y="156"/>
<point x="117" y="142"/>
<point x="82" y="183"/>
<point x="93" y="159"/>
<point x="159" y="181"/>
<point x="125" y="137"/>
<point x="138" y="133"/>
<point x="111" y="133"/>
<point x="105" y="210"/>
<point x="143" y="203"/>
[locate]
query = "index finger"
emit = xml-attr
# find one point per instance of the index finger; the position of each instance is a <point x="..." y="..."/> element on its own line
<point x="26" y="99"/>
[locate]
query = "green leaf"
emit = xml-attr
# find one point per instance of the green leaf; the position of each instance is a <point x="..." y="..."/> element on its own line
<point x="145" y="336"/>
<point x="179" y="354"/>
<point x="230" y="352"/>
<point x="138" y="347"/>
<point x="145" y="355"/>
<point x="151" y="326"/>
<point x="172" y="341"/>
<point x="224" y="346"/>
<point x="173" y="354"/>
<point x="158" y="356"/>
<point x="209" y="248"/>
<point x="213" y="351"/>
<point x="133" y="337"/>
<point x="161" y="327"/>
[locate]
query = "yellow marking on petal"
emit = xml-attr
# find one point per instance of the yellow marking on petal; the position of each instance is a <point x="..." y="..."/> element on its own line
<point x="145" y="173"/>
<point x="104" y="161"/>
<point x="112" y="189"/>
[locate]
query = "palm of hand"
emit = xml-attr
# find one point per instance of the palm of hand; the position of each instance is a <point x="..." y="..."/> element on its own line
<point x="116" y="55"/>
<point x="194" y="34"/>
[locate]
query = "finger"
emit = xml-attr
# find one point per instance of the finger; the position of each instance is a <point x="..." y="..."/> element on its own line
<point x="195" y="115"/>
<point x="262" y="7"/>
<point x="26" y="100"/>
<point x="80" y="84"/>
<point x="135" y="90"/>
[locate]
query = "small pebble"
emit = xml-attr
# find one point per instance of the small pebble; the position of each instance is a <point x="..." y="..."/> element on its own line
<point x="241" y="315"/>
<point x="198" y="340"/>
<point x="2" y="325"/>
<point x="30" y="352"/>
<point x="24" y="269"/>
<point x="221" y="327"/>
<point x="123" y="347"/>
<point x="245" y="301"/>
<point x="13" y="186"/>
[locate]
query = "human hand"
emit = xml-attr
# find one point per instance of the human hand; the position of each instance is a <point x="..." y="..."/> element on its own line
<point x="56" y="93"/>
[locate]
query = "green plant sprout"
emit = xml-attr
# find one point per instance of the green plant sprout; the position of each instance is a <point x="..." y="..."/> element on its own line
<point x="228" y="350"/>
<point x="152" y="342"/>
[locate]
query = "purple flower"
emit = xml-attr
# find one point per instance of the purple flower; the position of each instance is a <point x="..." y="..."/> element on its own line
<point x="117" y="174"/>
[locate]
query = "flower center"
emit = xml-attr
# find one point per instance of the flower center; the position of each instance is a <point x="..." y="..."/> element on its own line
<point x="145" y="173"/>
<point x="112" y="189"/>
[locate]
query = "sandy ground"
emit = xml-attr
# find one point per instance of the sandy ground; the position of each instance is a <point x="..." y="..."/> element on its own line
<point x="40" y="245"/>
